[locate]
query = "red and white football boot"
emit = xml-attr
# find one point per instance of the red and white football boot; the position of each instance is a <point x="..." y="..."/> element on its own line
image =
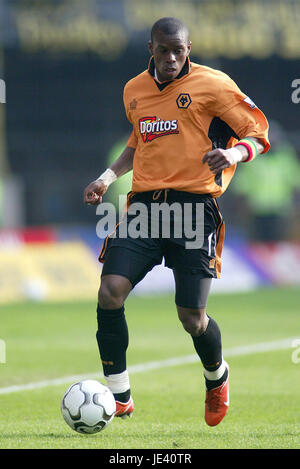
<point x="124" y="409"/>
<point x="217" y="403"/>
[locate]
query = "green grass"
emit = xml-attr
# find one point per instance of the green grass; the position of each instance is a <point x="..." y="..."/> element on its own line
<point x="45" y="341"/>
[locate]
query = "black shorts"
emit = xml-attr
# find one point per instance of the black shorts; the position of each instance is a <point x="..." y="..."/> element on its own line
<point x="133" y="257"/>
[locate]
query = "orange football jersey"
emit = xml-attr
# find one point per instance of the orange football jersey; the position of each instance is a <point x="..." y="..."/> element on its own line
<point x="171" y="128"/>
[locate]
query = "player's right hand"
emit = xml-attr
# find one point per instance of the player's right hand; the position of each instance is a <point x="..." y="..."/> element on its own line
<point x="93" y="192"/>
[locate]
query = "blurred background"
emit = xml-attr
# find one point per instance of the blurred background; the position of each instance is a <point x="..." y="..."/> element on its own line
<point x="63" y="66"/>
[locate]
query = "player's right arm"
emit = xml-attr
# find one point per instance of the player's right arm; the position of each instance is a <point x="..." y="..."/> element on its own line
<point x="96" y="189"/>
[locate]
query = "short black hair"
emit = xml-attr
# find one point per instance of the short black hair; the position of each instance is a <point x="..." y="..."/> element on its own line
<point x="169" y="26"/>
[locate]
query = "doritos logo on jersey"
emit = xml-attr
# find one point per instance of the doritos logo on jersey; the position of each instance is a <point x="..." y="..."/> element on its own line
<point x="151" y="128"/>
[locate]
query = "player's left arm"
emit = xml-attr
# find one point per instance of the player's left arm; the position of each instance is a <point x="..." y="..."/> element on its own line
<point x="220" y="159"/>
<point x="246" y="120"/>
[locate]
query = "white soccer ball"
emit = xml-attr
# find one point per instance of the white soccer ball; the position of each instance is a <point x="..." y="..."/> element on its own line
<point x="88" y="406"/>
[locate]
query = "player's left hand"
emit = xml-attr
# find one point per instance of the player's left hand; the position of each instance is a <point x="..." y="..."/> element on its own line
<point x="220" y="159"/>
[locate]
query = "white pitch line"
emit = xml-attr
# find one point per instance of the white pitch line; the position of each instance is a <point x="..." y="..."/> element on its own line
<point x="154" y="365"/>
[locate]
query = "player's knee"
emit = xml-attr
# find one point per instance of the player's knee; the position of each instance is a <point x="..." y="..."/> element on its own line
<point x="193" y="322"/>
<point x="109" y="296"/>
<point x="193" y="327"/>
<point x="112" y="292"/>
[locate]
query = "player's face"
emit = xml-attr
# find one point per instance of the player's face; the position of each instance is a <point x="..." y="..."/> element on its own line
<point x="170" y="53"/>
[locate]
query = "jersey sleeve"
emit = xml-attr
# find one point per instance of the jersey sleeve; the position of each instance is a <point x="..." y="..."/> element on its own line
<point x="238" y="111"/>
<point x="132" y="141"/>
<point x="226" y="94"/>
<point x="248" y="121"/>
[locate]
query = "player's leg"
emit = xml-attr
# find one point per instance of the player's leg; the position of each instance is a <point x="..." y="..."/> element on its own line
<point x="112" y="337"/>
<point x="122" y="270"/>
<point x="192" y="292"/>
<point x="191" y="299"/>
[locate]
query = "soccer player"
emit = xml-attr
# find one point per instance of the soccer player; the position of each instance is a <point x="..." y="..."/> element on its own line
<point x="191" y="126"/>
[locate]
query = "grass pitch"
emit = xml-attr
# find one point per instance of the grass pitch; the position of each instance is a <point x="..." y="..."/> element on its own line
<point x="49" y="341"/>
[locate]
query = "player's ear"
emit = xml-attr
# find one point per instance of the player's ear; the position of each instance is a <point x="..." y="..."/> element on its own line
<point x="150" y="47"/>
<point x="189" y="47"/>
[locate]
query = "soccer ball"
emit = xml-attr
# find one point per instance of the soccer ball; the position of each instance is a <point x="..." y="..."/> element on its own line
<point x="88" y="406"/>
